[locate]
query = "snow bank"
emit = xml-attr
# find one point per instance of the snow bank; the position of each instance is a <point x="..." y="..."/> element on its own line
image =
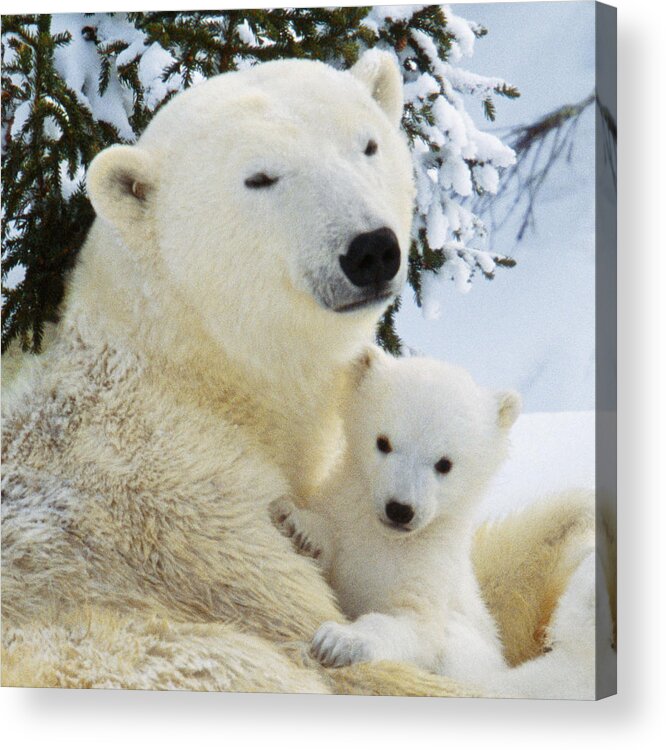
<point x="550" y="452"/>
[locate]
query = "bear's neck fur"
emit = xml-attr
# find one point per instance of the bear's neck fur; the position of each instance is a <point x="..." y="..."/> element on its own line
<point x="289" y="407"/>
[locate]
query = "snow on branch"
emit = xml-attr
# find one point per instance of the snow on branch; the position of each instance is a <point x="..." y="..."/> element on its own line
<point x="453" y="158"/>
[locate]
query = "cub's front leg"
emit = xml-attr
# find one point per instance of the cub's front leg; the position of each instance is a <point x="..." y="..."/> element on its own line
<point x="374" y="637"/>
<point x="308" y="531"/>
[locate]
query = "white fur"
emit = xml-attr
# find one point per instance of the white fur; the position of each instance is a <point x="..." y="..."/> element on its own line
<point x="412" y="589"/>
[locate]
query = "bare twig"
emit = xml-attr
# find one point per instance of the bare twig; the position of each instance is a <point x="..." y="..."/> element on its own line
<point x="539" y="147"/>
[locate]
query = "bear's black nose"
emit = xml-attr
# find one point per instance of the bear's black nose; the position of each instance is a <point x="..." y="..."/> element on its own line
<point x="372" y="258"/>
<point x="399" y="513"/>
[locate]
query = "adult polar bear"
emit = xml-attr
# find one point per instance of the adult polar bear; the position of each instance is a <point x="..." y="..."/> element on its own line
<point x="195" y="378"/>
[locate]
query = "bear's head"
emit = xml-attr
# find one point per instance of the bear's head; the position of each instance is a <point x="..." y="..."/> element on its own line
<point x="423" y="438"/>
<point x="277" y="199"/>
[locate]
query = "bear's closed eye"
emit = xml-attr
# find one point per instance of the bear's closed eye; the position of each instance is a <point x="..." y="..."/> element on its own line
<point x="260" y="180"/>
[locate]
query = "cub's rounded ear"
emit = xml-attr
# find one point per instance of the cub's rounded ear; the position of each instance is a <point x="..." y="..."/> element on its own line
<point x="509" y="404"/>
<point x="379" y="72"/>
<point x="119" y="181"/>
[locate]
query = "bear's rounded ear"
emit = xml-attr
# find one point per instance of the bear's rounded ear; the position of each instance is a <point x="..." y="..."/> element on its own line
<point x="379" y="72"/>
<point x="119" y="183"/>
<point x="509" y="404"/>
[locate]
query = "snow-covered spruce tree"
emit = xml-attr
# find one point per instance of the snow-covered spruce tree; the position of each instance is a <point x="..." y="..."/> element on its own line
<point x="75" y="83"/>
<point x="453" y="159"/>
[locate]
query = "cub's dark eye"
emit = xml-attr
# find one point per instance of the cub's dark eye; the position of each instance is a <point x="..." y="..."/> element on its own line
<point x="371" y="148"/>
<point x="260" y="180"/>
<point x="384" y="444"/>
<point x="443" y="466"/>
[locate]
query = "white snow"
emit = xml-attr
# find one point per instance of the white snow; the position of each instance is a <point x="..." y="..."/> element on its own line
<point x="460" y="270"/>
<point x="437" y="226"/>
<point x="422" y="87"/>
<point x="151" y="68"/>
<point x="246" y="35"/>
<point x="21" y="116"/>
<point x="14" y="277"/>
<point x="485" y="261"/>
<point x="68" y="185"/>
<point x="379" y="14"/>
<point x="491" y="149"/>
<point x="445" y="176"/>
<point x="79" y="65"/>
<point x="452" y="123"/>
<point x="550" y="452"/>
<point x="486" y="177"/>
<point x="130" y="53"/>
<point x="464" y="44"/>
<point x="51" y="128"/>
<point x="470" y="83"/>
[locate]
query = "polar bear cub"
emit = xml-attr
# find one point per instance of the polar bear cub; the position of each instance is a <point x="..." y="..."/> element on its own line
<point x="393" y="527"/>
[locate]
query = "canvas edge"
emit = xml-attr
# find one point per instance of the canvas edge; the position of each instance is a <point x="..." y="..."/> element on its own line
<point x="606" y="347"/>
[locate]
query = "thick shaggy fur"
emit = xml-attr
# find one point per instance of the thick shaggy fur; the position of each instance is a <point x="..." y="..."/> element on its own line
<point x="539" y="548"/>
<point x="195" y="378"/>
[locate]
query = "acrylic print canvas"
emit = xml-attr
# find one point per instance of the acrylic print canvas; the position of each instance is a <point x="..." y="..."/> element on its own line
<point x="309" y="350"/>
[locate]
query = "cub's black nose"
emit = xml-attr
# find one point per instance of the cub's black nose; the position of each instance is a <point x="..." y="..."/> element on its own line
<point x="372" y="258"/>
<point x="399" y="513"/>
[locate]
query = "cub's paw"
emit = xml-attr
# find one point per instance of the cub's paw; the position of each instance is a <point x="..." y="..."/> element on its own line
<point x="336" y="645"/>
<point x="305" y="544"/>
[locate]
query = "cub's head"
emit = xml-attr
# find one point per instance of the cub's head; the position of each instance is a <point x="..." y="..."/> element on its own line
<point x="278" y="198"/>
<point x="424" y="438"/>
